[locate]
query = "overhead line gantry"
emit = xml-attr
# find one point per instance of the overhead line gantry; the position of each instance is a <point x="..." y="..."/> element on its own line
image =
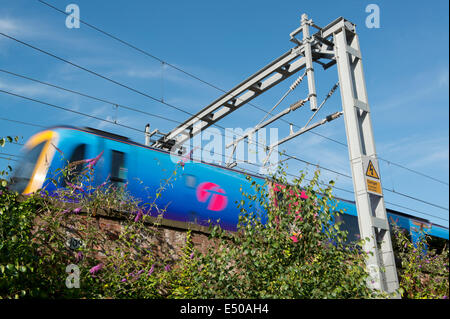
<point x="337" y="43"/>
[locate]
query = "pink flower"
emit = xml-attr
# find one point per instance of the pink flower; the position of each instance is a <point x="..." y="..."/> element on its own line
<point x="181" y="163"/>
<point x="186" y="158"/>
<point x="277" y="220"/>
<point x="77" y="210"/>
<point x="294" y="239"/>
<point x="96" y="269"/>
<point x="152" y="269"/>
<point x="124" y="280"/>
<point x="303" y="195"/>
<point x="79" y="256"/>
<point x="138" y="216"/>
<point x="298" y="217"/>
<point x="75" y="186"/>
<point x="191" y="256"/>
<point x="167" y="268"/>
<point x="106" y="181"/>
<point x="91" y="162"/>
<point x="138" y="273"/>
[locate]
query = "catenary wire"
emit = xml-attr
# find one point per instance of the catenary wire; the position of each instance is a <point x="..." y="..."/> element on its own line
<point x="145" y="52"/>
<point x="258" y="174"/>
<point x="114" y="122"/>
<point x="177" y="68"/>
<point x="136" y="91"/>
<point x="352" y="192"/>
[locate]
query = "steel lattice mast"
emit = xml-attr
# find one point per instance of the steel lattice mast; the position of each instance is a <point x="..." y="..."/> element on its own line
<point x="337" y="43"/>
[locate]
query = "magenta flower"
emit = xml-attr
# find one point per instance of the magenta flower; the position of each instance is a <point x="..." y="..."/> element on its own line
<point x="138" y="273"/>
<point x="294" y="239"/>
<point x="124" y="279"/>
<point x="77" y="210"/>
<point x="191" y="255"/>
<point x="181" y="163"/>
<point x="75" y="187"/>
<point x="152" y="269"/>
<point x="91" y="162"/>
<point x="96" y="269"/>
<point x="303" y="195"/>
<point x="277" y="220"/>
<point x="167" y="268"/>
<point x="79" y="256"/>
<point x="138" y="216"/>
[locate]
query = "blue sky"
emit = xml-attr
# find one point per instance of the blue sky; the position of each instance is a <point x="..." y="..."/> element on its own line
<point x="223" y="42"/>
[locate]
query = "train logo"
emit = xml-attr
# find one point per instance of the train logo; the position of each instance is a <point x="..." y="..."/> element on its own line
<point x="213" y="194"/>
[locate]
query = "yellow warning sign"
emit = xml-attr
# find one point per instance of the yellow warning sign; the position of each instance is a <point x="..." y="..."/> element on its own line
<point x="373" y="186"/>
<point x="371" y="172"/>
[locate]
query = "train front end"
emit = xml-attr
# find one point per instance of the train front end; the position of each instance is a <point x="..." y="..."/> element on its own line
<point x="31" y="172"/>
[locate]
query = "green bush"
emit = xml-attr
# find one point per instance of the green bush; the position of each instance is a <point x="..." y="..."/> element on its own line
<point x="423" y="272"/>
<point x="298" y="252"/>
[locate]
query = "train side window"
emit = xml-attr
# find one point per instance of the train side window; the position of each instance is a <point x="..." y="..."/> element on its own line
<point x="78" y="154"/>
<point x="190" y="180"/>
<point x="350" y="224"/>
<point x="118" y="168"/>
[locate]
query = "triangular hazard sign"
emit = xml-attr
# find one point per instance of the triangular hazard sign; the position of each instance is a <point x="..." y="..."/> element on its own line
<point x="371" y="172"/>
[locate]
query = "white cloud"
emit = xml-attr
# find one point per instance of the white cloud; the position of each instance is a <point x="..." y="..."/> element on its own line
<point x="17" y="27"/>
<point x="8" y="25"/>
<point x="31" y="90"/>
<point x="423" y="86"/>
<point x="417" y="151"/>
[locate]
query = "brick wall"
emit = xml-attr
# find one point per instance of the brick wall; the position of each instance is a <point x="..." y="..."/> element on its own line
<point x="168" y="237"/>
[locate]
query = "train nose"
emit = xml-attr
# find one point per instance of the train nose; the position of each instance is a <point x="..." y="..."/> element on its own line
<point x="31" y="172"/>
<point x="24" y="171"/>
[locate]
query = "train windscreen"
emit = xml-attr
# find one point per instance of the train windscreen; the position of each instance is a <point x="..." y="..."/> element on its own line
<point x="24" y="170"/>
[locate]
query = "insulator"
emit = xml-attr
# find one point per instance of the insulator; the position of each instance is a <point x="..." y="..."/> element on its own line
<point x="298" y="104"/>
<point x="297" y="82"/>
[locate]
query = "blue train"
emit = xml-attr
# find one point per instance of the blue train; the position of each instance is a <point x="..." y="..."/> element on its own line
<point x="201" y="193"/>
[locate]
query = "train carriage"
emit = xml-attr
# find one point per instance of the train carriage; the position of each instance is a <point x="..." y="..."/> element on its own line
<point x="204" y="192"/>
